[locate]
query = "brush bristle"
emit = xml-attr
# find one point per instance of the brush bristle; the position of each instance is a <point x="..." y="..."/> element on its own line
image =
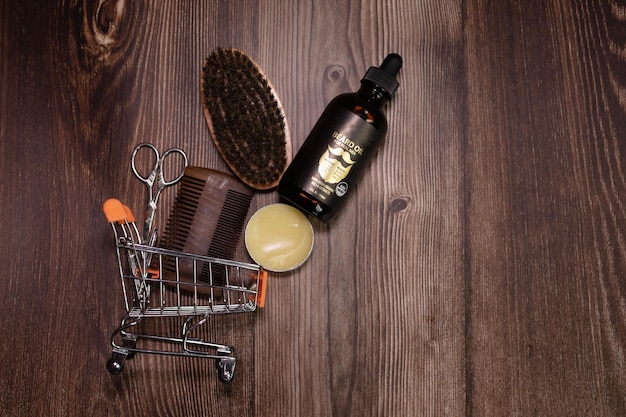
<point x="245" y="117"/>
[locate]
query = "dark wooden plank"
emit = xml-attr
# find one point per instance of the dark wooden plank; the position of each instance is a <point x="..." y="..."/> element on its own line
<point x="84" y="84"/>
<point x="373" y="323"/>
<point x="545" y="215"/>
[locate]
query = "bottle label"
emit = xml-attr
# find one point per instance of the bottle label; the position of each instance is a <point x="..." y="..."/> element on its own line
<point x="335" y="164"/>
<point x="344" y="146"/>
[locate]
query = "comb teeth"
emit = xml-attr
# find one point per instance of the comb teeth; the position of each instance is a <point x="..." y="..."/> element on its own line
<point x="183" y="213"/>
<point x="246" y="118"/>
<point x="228" y="229"/>
<point x="207" y="218"/>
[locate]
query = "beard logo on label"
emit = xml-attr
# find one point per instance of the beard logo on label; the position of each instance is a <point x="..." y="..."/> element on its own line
<point x="334" y="165"/>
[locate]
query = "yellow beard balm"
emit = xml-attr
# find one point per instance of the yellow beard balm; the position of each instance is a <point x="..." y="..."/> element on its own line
<point x="279" y="237"/>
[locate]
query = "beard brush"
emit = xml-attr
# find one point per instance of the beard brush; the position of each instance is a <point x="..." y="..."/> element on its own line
<point x="207" y="218"/>
<point x="245" y="118"/>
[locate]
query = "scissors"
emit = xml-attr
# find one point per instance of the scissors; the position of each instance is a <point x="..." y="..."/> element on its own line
<point x="156" y="176"/>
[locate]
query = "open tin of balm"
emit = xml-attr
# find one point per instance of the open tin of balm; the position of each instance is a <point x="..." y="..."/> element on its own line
<point x="279" y="237"/>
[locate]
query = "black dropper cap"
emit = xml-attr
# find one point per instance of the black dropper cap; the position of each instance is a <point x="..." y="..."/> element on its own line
<point x="385" y="75"/>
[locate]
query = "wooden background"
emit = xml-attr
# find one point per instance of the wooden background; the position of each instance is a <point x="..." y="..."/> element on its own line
<point x="478" y="270"/>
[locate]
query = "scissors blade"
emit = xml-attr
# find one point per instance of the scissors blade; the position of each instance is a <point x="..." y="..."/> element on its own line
<point x="149" y="219"/>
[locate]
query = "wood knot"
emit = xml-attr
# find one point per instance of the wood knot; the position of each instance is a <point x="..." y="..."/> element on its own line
<point x="335" y="73"/>
<point x="335" y="82"/>
<point x="101" y="28"/>
<point x="398" y="204"/>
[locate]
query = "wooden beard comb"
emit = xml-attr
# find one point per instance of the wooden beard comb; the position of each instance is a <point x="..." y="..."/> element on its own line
<point x="207" y="218"/>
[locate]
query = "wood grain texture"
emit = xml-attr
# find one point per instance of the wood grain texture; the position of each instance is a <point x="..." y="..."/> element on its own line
<point x="546" y="222"/>
<point x="478" y="269"/>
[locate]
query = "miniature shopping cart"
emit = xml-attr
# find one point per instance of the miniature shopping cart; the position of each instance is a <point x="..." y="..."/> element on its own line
<point x="155" y="287"/>
<point x="161" y="284"/>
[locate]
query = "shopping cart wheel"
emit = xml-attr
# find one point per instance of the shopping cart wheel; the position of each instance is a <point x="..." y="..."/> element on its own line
<point x="115" y="364"/>
<point x="225" y="369"/>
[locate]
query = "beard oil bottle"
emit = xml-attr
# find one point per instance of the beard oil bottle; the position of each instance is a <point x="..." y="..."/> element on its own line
<point x="347" y="135"/>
